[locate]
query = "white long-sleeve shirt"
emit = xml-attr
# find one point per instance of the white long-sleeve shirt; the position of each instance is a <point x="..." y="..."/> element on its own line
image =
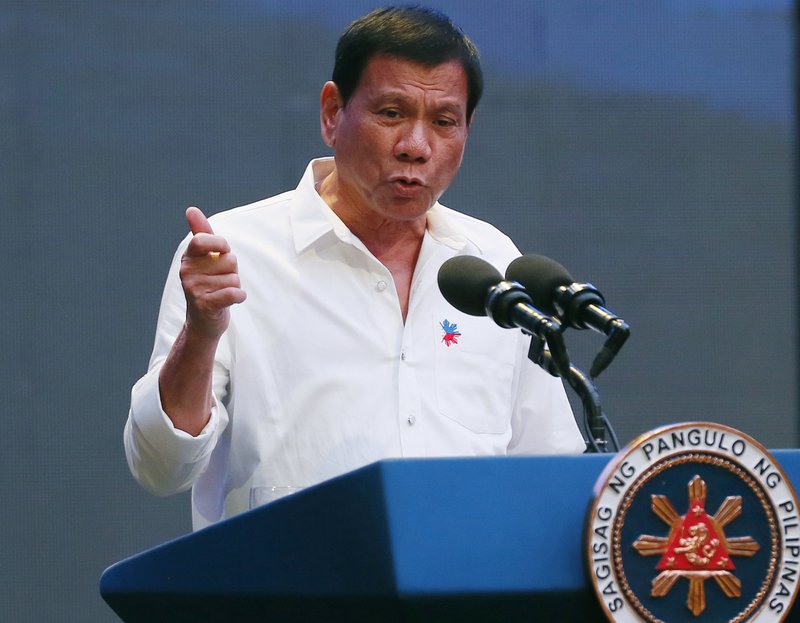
<point x="318" y="374"/>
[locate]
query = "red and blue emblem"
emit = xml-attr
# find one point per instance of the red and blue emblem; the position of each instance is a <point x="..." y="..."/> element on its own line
<point x="451" y="333"/>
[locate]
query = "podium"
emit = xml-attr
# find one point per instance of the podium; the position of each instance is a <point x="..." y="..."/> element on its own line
<point x="413" y="540"/>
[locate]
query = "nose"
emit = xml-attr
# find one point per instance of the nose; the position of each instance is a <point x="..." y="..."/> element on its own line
<point x="414" y="144"/>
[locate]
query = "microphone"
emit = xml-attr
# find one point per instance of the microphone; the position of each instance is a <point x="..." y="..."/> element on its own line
<point x="577" y="305"/>
<point x="477" y="288"/>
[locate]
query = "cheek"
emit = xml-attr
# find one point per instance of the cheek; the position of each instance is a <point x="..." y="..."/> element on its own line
<point x="362" y="143"/>
<point x="452" y="158"/>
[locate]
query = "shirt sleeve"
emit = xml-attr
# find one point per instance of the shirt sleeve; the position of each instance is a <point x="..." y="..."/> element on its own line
<point x="163" y="459"/>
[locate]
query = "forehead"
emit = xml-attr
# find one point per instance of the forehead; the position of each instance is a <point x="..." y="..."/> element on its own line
<point x="385" y="74"/>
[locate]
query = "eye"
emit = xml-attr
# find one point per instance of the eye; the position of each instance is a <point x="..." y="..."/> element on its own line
<point x="390" y="113"/>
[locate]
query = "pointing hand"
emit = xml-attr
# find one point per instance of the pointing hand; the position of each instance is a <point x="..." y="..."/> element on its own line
<point x="210" y="278"/>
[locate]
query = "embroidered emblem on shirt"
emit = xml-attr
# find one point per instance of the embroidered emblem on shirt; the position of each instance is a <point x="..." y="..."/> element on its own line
<point x="451" y="333"/>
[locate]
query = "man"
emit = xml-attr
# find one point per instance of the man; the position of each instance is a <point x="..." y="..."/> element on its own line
<point x="304" y="336"/>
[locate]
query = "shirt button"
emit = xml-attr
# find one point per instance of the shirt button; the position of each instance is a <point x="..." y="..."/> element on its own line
<point x="403" y="356"/>
<point x="412" y="420"/>
<point x="381" y="286"/>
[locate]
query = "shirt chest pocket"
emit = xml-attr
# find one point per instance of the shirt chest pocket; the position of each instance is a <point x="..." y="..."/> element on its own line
<point x="474" y="372"/>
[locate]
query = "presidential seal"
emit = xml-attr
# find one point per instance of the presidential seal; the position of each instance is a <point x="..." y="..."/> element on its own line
<point x="694" y="522"/>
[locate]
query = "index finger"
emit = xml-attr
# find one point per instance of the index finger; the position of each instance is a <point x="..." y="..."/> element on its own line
<point x="203" y="244"/>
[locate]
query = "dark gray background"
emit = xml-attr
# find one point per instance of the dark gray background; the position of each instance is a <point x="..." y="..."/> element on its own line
<point x="646" y="145"/>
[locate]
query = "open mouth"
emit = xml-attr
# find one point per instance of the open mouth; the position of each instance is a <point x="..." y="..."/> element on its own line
<point x="405" y="187"/>
<point x="407" y="182"/>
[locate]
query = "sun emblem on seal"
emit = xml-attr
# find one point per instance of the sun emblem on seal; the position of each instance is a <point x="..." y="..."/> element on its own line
<point x="696" y="548"/>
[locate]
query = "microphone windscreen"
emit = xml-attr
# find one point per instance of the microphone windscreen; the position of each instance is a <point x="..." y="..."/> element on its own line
<point x="465" y="281"/>
<point x="540" y="276"/>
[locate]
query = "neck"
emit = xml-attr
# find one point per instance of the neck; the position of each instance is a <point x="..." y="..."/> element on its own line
<point x="385" y="237"/>
<point x="394" y="243"/>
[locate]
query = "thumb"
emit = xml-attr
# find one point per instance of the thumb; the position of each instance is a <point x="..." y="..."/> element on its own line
<point x="198" y="222"/>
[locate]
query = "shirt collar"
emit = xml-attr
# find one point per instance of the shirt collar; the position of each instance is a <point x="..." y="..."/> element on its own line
<point x="312" y="218"/>
<point x="443" y="228"/>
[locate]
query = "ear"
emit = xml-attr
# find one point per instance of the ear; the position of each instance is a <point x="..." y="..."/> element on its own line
<point x="330" y="103"/>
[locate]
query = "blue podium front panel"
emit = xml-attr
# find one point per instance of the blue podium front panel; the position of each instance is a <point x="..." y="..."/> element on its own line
<point x="487" y="525"/>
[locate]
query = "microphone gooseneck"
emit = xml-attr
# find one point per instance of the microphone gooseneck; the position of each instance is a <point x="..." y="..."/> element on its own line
<point x="576" y="305"/>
